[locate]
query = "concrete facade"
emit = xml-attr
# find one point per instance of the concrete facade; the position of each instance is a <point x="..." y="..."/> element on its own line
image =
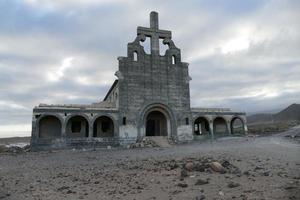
<point x="151" y="97"/>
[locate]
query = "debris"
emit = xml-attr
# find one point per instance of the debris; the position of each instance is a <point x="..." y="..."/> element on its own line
<point x="189" y="166"/>
<point x="201" y="182"/>
<point x="217" y="167"/>
<point x="200" y="197"/>
<point x="183" y="185"/>
<point x="233" y="184"/>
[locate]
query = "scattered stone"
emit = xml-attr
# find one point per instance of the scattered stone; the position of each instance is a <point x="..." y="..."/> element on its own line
<point x="226" y="163"/>
<point x="221" y="193"/>
<point x="217" y="167"/>
<point x="247" y="173"/>
<point x="200" y="197"/>
<point x="189" y="166"/>
<point x="183" y="173"/>
<point x="267" y="173"/>
<point x="63" y="188"/>
<point x="183" y="185"/>
<point x="233" y="184"/>
<point x="201" y="182"/>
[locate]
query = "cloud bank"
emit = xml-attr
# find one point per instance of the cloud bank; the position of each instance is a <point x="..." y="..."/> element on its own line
<point x="242" y="54"/>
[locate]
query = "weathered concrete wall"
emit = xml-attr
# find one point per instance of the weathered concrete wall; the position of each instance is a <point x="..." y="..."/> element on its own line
<point x="153" y="79"/>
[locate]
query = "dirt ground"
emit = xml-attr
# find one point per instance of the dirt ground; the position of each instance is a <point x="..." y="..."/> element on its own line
<point x="265" y="167"/>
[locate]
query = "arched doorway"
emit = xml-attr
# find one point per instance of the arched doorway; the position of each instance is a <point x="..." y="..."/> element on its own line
<point x="201" y="126"/>
<point x="103" y="127"/>
<point x="49" y="127"/>
<point x="237" y="126"/>
<point x="156" y="124"/>
<point x="220" y="126"/>
<point x="77" y="127"/>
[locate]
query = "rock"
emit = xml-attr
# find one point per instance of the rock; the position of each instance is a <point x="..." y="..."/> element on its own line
<point x="183" y="173"/>
<point x="201" y="182"/>
<point x="233" y="184"/>
<point x="183" y="185"/>
<point x="226" y="163"/>
<point x="221" y="193"/>
<point x="189" y="166"/>
<point x="217" y="167"/>
<point x="247" y="173"/>
<point x="200" y="197"/>
<point x="63" y="188"/>
<point x="199" y="167"/>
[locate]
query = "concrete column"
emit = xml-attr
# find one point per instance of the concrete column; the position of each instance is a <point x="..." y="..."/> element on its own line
<point x="245" y="128"/>
<point x="63" y="130"/>
<point x="228" y="128"/>
<point x="211" y="129"/>
<point x="91" y="130"/>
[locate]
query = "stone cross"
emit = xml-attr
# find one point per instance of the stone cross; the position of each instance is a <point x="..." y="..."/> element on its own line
<point x="154" y="33"/>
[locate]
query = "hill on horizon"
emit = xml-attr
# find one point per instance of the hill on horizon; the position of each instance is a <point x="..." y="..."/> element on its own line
<point x="290" y="113"/>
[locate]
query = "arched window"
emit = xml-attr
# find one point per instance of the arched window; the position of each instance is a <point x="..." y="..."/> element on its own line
<point x="173" y="60"/>
<point x="135" y="56"/>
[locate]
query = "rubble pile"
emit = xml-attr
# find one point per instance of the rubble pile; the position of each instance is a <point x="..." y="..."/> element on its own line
<point x="14" y="148"/>
<point x="145" y="142"/>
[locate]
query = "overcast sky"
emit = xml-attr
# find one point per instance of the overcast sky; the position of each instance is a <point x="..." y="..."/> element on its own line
<point x="243" y="54"/>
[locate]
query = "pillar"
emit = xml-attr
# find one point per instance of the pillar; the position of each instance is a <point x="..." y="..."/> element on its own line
<point x="91" y="130"/>
<point x="228" y="128"/>
<point x="211" y="128"/>
<point x="63" y="129"/>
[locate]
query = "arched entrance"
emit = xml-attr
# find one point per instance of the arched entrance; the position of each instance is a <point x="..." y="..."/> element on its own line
<point x="156" y="124"/>
<point x="49" y="127"/>
<point x="237" y="126"/>
<point x="103" y="127"/>
<point x="201" y="126"/>
<point x="77" y="127"/>
<point x="220" y="126"/>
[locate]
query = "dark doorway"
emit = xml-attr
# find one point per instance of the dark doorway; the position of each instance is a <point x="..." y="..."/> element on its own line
<point x="201" y="126"/>
<point x="156" y="124"/>
<point x="49" y="127"/>
<point x="103" y="127"/>
<point x="77" y="127"/>
<point x="220" y="126"/>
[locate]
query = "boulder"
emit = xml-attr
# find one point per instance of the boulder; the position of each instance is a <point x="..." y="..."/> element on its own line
<point x="217" y="167"/>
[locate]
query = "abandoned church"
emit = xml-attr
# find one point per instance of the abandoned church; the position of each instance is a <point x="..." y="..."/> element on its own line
<point x="150" y="97"/>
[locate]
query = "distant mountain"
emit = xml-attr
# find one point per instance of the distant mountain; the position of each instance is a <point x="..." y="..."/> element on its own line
<point x="262" y="117"/>
<point x="291" y="113"/>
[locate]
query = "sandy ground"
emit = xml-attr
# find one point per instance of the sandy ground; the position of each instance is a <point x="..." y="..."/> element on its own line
<point x="256" y="168"/>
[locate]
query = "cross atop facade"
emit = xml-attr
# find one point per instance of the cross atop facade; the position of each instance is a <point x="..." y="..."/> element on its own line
<point x="154" y="33"/>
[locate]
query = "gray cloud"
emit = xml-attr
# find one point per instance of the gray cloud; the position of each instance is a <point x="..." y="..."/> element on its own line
<point x="242" y="54"/>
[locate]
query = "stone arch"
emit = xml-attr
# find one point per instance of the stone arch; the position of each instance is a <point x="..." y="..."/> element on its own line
<point x="103" y="126"/>
<point x="220" y="125"/>
<point x="49" y="126"/>
<point x="201" y="126"/>
<point x="238" y="128"/>
<point x="160" y="108"/>
<point x="77" y="126"/>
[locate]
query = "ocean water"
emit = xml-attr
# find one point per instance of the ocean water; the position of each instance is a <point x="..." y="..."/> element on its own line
<point x="8" y="134"/>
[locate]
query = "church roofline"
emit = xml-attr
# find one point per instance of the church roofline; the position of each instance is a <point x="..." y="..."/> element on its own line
<point x="110" y="89"/>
